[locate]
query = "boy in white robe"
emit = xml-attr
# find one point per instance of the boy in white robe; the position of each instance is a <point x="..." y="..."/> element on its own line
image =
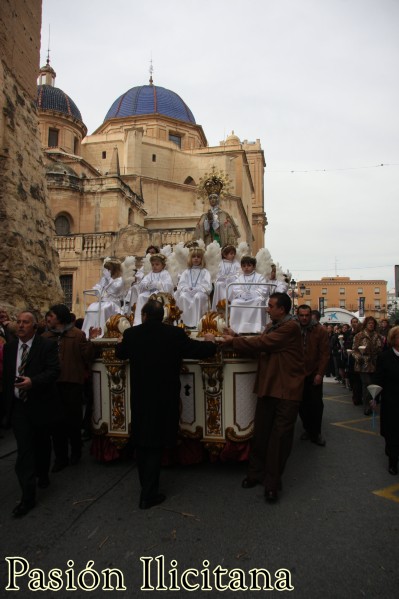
<point x="158" y="280"/>
<point x="229" y="269"/>
<point x="247" y="313"/>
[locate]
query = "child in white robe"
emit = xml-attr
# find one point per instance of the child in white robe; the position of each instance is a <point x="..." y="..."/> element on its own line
<point x="193" y="289"/>
<point x="249" y="293"/>
<point x="158" y="280"/>
<point x="229" y="269"/>
<point x="133" y="292"/>
<point x="110" y="290"/>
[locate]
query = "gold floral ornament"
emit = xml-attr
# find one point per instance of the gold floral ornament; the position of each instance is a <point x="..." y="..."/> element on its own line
<point x="217" y="182"/>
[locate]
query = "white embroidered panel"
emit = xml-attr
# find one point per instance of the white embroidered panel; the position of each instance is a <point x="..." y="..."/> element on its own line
<point x="244" y="399"/>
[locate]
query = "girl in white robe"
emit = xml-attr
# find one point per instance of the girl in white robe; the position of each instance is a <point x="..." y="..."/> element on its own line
<point x="229" y="269"/>
<point x="193" y="289"/>
<point x="249" y="293"/>
<point x="158" y="280"/>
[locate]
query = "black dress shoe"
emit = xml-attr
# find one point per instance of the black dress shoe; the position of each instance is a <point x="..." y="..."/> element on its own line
<point x="43" y="482"/>
<point x="22" y="509"/>
<point x="393" y="466"/>
<point x="368" y="412"/>
<point x="271" y="496"/>
<point x="146" y="504"/>
<point x="318" y="440"/>
<point x="249" y="483"/>
<point x="58" y="466"/>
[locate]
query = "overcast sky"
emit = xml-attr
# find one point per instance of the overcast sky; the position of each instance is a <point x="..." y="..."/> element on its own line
<point x="315" y="80"/>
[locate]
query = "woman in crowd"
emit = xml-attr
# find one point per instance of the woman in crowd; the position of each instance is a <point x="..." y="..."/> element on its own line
<point x="193" y="289"/>
<point x="387" y="375"/>
<point x="367" y="345"/>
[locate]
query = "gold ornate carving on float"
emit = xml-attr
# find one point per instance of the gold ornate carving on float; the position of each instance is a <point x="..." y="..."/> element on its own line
<point x="213" y="448"/>
<point x="117" y="324"/>
<point x="172" y="312"/>
<point x="231" y="435"/>
<point x="212" y="379"/>
<point x="116" y="373"/>
<point x="213" y="322"/>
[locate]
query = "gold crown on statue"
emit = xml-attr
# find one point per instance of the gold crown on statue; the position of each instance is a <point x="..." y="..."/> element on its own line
<point x="213" y="185"/>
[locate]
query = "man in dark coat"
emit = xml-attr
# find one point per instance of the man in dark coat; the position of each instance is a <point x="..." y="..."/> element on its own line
<point x="316" y="351"/>
<point x="76" y="354"/>
<point x="387" y="376"/>
<point x="31" y="367"/>
<point x="155" y="351"/>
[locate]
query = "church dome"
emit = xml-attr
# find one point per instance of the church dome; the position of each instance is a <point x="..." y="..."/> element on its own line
<point x="232" y="140"/>
<point x="53" y="98"/>
<point x="150" y="99"/>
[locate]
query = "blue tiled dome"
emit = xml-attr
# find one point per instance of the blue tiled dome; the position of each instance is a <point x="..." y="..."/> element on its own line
<point x="53" y="98"/>
<point x="150" y="99"/>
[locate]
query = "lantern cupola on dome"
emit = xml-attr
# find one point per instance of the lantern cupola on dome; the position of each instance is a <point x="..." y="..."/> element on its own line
<point x="52" y="98"/>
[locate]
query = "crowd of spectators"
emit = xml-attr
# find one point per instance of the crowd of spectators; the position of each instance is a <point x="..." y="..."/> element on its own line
<point x="352" y="357"/>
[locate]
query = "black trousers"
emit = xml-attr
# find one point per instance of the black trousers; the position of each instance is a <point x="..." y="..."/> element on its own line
<point x="33" y="449"/>
<point x="149" y="469"/>
<point x="312" y="406"/>
<point x="67" y="429"/>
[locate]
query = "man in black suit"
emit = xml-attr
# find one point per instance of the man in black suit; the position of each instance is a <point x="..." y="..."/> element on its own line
<point x="155" y="351"/>
<point x="31" y="367"/>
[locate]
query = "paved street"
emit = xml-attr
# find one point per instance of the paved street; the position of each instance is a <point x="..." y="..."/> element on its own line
<point x="335" y="528"/>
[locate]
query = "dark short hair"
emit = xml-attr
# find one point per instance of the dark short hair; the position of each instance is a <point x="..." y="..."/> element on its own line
<point x="62" y="312"/>
<point x="304" y="307"/>
<point x="283" y="301"/>
<point x="248" y="260"/>
<point x="316" y="314"/>
<point x="153" y="310"/>
<point x="152" y="247"/>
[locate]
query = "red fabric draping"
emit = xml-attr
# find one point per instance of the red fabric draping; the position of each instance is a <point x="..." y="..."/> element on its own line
<point x="187" y="452"/>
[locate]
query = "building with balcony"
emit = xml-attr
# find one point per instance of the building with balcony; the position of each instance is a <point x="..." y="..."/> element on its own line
<point x="345" y="293"/>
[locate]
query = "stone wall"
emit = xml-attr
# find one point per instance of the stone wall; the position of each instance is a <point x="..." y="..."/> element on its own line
<point x="28" y="260"/>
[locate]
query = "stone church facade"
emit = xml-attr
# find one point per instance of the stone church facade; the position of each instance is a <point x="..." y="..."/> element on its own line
<point x="134" y="181"/>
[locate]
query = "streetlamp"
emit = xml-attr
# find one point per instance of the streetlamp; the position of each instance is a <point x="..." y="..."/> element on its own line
<point x="293" y="285"/>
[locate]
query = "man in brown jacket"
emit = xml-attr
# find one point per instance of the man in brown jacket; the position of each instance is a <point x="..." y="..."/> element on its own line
<point x="76" y="354"/>
<point x="279" y="386"/>
<point x="316" y="350"/>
